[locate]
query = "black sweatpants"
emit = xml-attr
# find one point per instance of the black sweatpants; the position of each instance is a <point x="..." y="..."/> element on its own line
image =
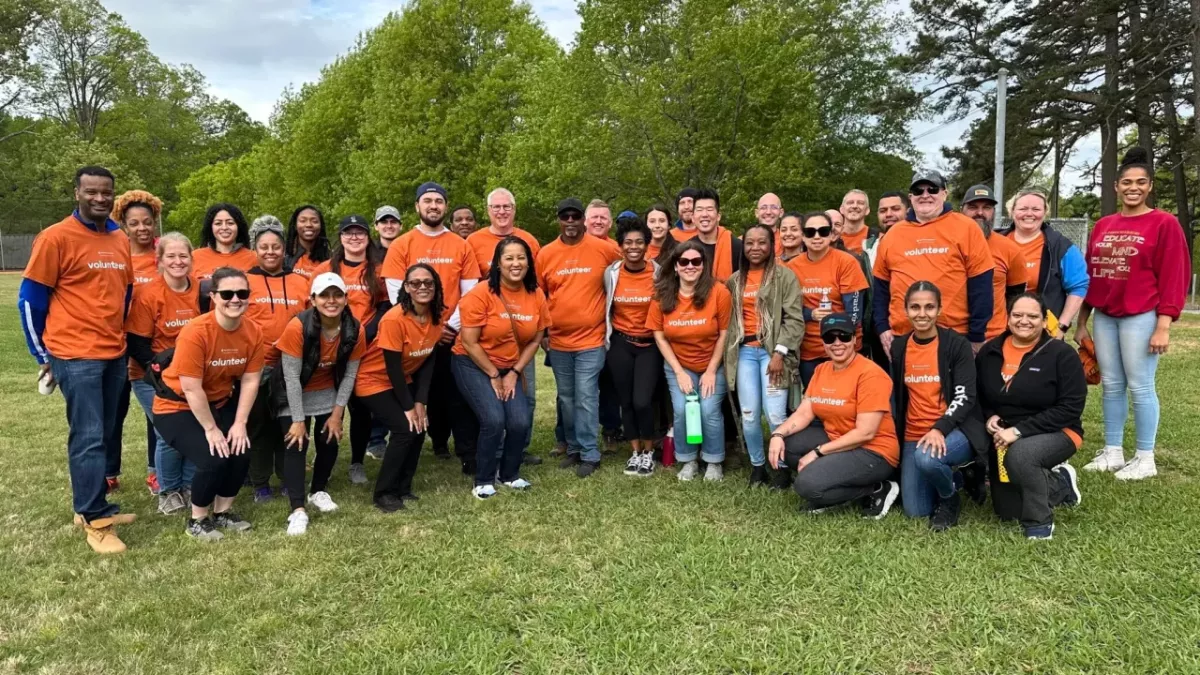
<point x="403" y="448"/>
<point x="636" y="371"/>
<point x="1032" y="490"/>
<point x="215" y="476"/>
<point x="448" y="413"/>
<point x="266" y="441"/>
<point x="836" y="478"/>
<point x="295" y="460"/>
<point x="361" y="421"/>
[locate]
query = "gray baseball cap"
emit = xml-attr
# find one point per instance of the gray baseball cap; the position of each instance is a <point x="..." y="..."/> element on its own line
<point x="385" y="211"/>
<point x="928" y="176"/>
<point x="979" y="193"/>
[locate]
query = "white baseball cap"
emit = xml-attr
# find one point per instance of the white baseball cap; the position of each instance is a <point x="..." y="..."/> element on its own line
<point x="327" y="280"/>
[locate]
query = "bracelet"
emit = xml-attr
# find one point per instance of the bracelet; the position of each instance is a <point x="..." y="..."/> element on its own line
<point x="494" y="377"/>
<point x="777" y="435"/>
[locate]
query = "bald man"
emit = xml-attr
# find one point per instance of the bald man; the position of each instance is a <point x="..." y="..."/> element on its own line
<point x="769" y="210"/>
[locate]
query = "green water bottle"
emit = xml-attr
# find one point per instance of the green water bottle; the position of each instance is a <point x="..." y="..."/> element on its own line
<point x="693" y="419"/>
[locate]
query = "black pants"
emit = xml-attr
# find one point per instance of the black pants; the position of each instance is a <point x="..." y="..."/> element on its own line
<point x="403" y="448"/>
<point x="215" y="476"/>
<point x="809" y="366"/>
<point x="361" y="421"/>
<point x="295" y="458"/>
<point x="610" y="403"/>
<point x="266" y="441"/>
<point x="835" y="478"/>
<point x="151" y="443"/>
<point x="448" y="413"/>
<point x="636" y="371"/>
<point x="1032" y="490"/>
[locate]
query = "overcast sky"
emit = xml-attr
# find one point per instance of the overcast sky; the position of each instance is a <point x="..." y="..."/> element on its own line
<point x="250" y="50"/>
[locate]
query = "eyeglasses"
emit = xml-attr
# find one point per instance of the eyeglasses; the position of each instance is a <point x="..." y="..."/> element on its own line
<point x="691" y="262"/>
<point x="241" y="293"/>
<point x="836" y="336"/>
<point x="812" y="232"/>
<point x="926" y="190"/>
<point x="502" y="208"/>
<point x="354" y="234"/>
<point x="417" y="284"/>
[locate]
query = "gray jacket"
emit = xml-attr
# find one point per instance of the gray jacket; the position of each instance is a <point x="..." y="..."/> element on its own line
<point x="610" y="287"/>
<point x="780" y="309"/>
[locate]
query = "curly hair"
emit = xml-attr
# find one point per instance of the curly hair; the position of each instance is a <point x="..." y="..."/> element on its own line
<point x="207" y="238"/>
<point x="134" y="198"/>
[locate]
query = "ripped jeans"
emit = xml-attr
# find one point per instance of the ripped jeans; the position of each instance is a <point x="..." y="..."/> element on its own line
<point x="757" y="395"/>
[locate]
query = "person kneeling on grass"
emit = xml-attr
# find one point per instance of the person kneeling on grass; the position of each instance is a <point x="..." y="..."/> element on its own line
<point x="1032" y="390"/>
<point x="936" y="412"/>
<point x="841" y="441"/>
<point x="319" y="353"/>
<point x="197" y="410"/>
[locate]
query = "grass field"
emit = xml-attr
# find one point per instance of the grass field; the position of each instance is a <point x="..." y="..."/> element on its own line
<point x="608" y="575"/>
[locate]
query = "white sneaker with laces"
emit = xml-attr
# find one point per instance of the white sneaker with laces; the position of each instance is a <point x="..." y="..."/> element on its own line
<point x="297" y="523"/>
<point x="646" y="464"/>
<point x="631" y="467"/>
<point x="518" y="484"/>
<point x="714" y="472"/>
<point x="484" y="491"/>
<point x="1111" y="458"/>
<point x="1140" y="467"/>
<point x="689" y="470"/>
<point x="323" y="502"/>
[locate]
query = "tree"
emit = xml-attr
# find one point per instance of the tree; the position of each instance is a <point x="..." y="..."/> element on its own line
<point x="19" y="21"/>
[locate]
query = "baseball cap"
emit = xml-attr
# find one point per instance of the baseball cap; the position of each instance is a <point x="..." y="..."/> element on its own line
<point x="350" y="221"/>
<point x="838" y="321"/>
<point x="626" y="214"/>
<point x="327" y="280"/>
<point x="428" y="187"/>
<point x="569" y="204"/>
<point x="978" y="193"/>
<point x="385" y="211"/>
<point x="928" y="176"/>
<point x="264" y="224"/>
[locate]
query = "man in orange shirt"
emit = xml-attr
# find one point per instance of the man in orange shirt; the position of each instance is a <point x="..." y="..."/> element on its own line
<point x="502" y="215"/>
<point x="723" y="249"/>
<point x="73" y="300"/>
<point x="570" y="270"/>
<point x="462" y="221"/>
<point x="855" y="233"/>
<point x="1008" y="276"/>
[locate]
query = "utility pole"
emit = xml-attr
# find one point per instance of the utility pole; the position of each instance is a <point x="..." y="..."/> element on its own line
<point x="1001" y="96"/>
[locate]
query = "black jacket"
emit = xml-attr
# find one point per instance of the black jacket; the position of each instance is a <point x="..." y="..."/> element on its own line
<point x="1046" y="395"/>
<point x="310" y="320"/>
<point x="956" y="370"/>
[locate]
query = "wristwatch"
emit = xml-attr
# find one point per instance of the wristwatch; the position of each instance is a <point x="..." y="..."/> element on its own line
<point x="1016" y="432"/>
<point x="817" y="451"/>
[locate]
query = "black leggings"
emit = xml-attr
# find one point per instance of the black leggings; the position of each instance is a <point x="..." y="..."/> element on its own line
<point x="266" y="443"/>
<point x="403" y="448"/>
<point x="448" y="412"/>
<point x="360" y="429"/>
<point x="215" y="476"/>
<point x="294" y="459"/>
<point x="636" y="371"/>
<point x="836" y="478"/>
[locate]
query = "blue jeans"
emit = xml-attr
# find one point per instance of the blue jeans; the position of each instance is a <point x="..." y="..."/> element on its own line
<point x="1123" y="353"/>
<point x="503" y="425"/>
<point x="757" y="395"/>
<point x="577" y="375"/>
<point x="175" y="472"/>
<point x="712" y="450"/>
<point x="379" y="433"/>
<point x="922" y="476"/>
<point x="92" y="389"/>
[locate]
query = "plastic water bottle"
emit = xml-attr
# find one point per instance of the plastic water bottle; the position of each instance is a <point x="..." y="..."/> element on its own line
<point x="826" y="304"/>
<point x="694" y="420"/>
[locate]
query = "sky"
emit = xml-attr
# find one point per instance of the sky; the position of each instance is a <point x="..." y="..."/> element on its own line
<point x="251" y="50"/>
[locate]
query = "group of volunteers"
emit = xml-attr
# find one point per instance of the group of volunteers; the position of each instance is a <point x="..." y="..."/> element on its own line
<point x="915" y="360"/>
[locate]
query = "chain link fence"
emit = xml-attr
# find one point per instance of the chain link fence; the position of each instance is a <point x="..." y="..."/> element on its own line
<point x="15" y="250"/>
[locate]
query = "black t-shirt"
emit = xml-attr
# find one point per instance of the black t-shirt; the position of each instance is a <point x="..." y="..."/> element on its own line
<point x="736" y="251"/>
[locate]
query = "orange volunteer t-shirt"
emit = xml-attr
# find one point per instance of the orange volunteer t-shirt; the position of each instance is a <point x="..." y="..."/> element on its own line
<point x="159" y="313"/>
<point x="854" y="242"/>
<point x="631" y="301"/>
<point x="946" y="251"/>
<point x="273" y="302"/>
<point x="401" y="332"/>
<point x="206" y="260"/>
<point x="145" y="268"/>
<point x="924" y="381"/>
<point x="362" y="301"/>
<point x="838" y="397"/>
<point x="835" y="275"/>
<point x="89" y="274"/>
<point x="523" y="311"/>
<point x="750" y="306"/>
<point x="573" y="280"/>
<point x="1009" y="271"/>
<point x="305" y="267"/>
<point x="447" y="253"/>
<point x="291" y="342"/>
<point x="652" y="251"/>
<point x="693" y="332"/>
<point x="483" y="243"/>
<point x="217" y="357"/>
<point x="1031" y="253"/>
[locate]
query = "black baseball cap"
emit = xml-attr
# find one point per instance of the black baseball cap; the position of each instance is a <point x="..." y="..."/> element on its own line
<point x="839" y="321"/>
<point x="928" y="176"/>
<point x="569" y="204"/>
<point x="352" y="221"/>
<point x="428" y="187"/>
<point x="979" y="193"/>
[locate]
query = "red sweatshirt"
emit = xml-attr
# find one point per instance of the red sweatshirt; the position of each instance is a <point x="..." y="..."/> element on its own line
<point x="1138" y="264"/>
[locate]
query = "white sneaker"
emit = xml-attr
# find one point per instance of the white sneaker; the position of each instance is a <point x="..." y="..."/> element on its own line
<point x="714" y="472"/>
<point x="1111" y="458"/>
<point x="323" y="502"/>
<point x="1140" y="467"/>
<point x="635" y="461"/>
<point x="297" y="523"/>
<point x="518" y="484"/>
<point x="484" y="491"/>
<point x="689" y="470"/>
<point x="646" y="464"/>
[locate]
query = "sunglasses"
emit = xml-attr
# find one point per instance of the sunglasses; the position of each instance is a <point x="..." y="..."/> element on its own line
<point x="241" y="293"/>
<point x="926" y="190"/>
<point x="419" y="283"/>
<point x="836" y="336"/>
<point x="812" y="232"/>
<point x="691" y="262"/>
<point x="569" y="217"/>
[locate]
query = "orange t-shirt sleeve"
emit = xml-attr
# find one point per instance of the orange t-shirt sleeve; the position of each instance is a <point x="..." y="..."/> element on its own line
<point x="291" y="341"/>
<point x="654" y="316"/>
<point x="850" y="275"/>
<point x="190" y="357"/>
<point x="539" y="269"/>
<point x="390" y="335"/>
<point x="141" y="317"/>
<point x="544" y="321"/>
<point x="44" y="263"/>
<point x="724" y="308"/>
<point x="470" y="264"/>
<point x="473" y="311"/>
<point x="875" y="392"/>
<point x="359" y="347"/>
<point x="880" y="269"/>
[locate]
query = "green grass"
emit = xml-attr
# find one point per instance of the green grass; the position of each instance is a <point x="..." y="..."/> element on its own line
<point x="608" y="575"/>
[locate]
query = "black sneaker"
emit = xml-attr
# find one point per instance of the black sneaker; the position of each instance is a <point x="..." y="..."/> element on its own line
<point x="945" y="516"/>
<point x="441" y="451"/>
<point x="469" y="467"/>
<point x="635" y="461"/>
<point x="230" y="521"/>
<point x="1066" y="474"/>
<point x="585" y="469"/>
<point x="409" y="497"/>
<point x="975" y="483"/>
<point x="531" y="460"/>
<point x="389" y="503"/>
<point x="781" y="479"/>
<point x="569" y="462"/>
<point x="878" y="503"/>
<point x="203" y="530"/>
<point x="758" y="476"/>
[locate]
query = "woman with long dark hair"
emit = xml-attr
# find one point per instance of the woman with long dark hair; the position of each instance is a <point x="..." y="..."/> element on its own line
<point x="224" y="242"/>
<point x="658" y="219"/>
<point x="307" y="244"/>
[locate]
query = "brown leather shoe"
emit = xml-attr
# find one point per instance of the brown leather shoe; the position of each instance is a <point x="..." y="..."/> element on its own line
<point x="102" y="536"/>
<point x="116" y="518"/>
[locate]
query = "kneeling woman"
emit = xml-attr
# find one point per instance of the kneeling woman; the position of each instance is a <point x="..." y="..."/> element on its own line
<point x="319" y="353"/>
<point x="502" y="324"/>
<point x="1032" y="390"/>
<point x="394" y="378"/>
<point x="689" y="316"/>
<point x="197" y="411"/>
<point x="937" y="412"/>
<point x="841" y="441"/>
